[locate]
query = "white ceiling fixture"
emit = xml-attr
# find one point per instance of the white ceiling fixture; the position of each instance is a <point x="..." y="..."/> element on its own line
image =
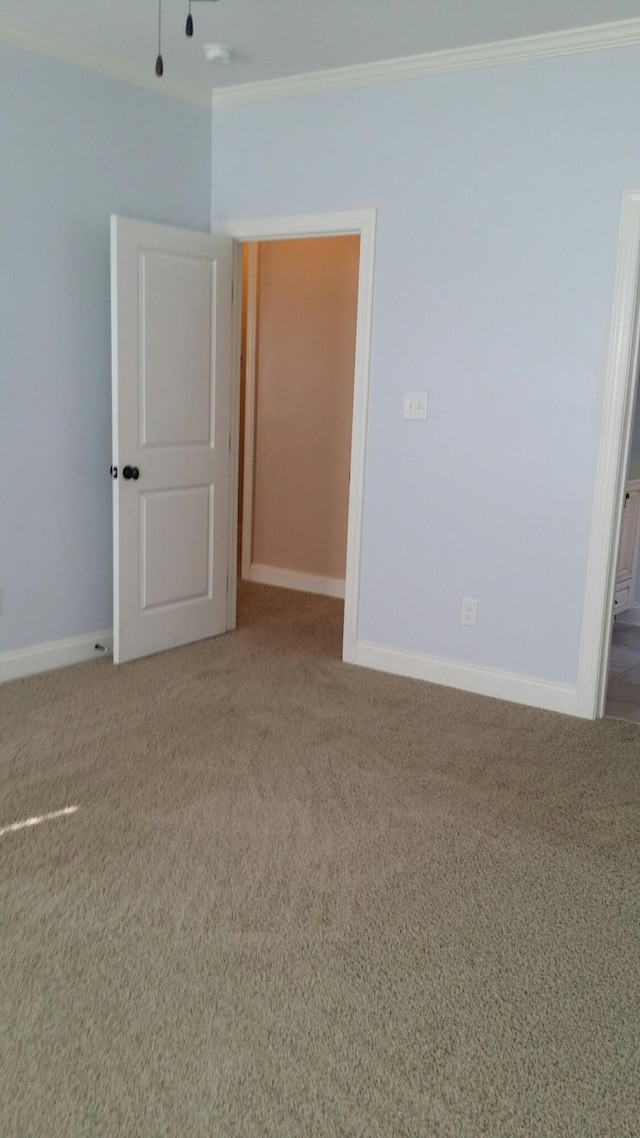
<point x="217" y="52"/>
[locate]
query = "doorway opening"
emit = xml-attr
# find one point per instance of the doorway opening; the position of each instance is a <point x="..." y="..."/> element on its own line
<point x="299" y="319"/>
<point x="623" y="673"/>
<point x="613" y="561"/>
<point x="296" y="398"/>
<point x="298" y="425"/>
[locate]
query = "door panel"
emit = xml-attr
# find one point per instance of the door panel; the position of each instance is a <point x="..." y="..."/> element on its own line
<point x="181" y="572"/>
<point x="171" y="328"/>
<point x="177" y="305"/>
<point x="628" y="532"/>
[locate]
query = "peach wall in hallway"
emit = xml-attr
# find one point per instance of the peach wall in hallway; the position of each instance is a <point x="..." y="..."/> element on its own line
<point x="307" y="310"/>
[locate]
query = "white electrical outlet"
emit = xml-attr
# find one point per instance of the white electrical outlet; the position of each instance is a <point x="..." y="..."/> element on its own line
<point x="415" y="405"/>
<point x="469" y="611"/>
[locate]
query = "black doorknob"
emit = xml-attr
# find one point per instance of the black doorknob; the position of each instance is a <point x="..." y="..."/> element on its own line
<point x="131" y="472"/>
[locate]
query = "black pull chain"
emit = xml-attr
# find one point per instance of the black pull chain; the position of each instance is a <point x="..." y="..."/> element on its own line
<point x="159" y="63"/>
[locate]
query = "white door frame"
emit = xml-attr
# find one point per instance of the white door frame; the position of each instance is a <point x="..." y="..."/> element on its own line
<point x="361" y="223"/>
<point x="249" y="408"/>
<point x="611" y="471"/>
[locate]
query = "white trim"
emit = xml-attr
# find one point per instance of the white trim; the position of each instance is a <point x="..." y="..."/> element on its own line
<point x="611" y="471"/>
<point x="296" y="225"/>
<point x="249" y="407"/>
<point x="234" y="426"/>
<point x="54" y="654"/>
<point x="91" y="59"/>
<point x="363" y="223"/>
<point x="629" y="616"/>
<point x="596" y="37"/>
<point x="483" y="681"/>
<point x="292" y="579"/>
<point x="359" y="431"/>
<point x="572" y="41"/>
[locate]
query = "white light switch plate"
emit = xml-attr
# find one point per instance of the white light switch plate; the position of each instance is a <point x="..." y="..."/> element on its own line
<point x="415" y="405"/>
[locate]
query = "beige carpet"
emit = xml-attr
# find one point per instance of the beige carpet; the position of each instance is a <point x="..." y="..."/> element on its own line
<point x="300" y="898"/>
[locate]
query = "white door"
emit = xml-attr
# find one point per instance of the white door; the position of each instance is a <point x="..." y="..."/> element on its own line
<point x="628" y="533"/>
<point x="171" y="383"/>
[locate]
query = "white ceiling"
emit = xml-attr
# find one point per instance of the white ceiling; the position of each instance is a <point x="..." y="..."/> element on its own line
<point x="279" y="38"/>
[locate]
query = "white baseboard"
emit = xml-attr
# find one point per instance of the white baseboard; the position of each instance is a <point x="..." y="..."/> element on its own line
<point x="483" y="681"/>
<point x="630" y="616"/>
<point x="54" y="654"/>
<point x="303" y="582"/>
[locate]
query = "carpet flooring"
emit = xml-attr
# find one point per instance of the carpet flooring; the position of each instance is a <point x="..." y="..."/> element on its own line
<point x="301" y="898"/>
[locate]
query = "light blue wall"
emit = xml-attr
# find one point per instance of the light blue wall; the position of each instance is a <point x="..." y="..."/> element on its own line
<point x="498" y="194"/>
<point x="74" y="148"/>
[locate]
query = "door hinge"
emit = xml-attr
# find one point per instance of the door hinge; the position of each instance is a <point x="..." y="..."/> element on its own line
<point x="114" y="471"/>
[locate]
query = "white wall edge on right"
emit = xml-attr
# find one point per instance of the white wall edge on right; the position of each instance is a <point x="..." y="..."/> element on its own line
<point x="611" y="471"/>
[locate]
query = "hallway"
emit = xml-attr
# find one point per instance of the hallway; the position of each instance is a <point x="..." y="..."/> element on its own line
<point x="623" y="688"/>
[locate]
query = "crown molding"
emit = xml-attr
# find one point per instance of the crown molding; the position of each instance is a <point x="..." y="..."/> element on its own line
<point x="19" y="35"/>
<point x="597" y="37"/>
